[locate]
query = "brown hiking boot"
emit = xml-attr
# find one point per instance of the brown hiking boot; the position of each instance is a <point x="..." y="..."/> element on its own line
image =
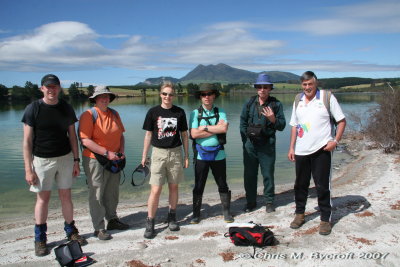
<point x="102" y="234"/>
<point x="298" y="221"/>
<point x="75" y="236"/>
<point x="325" y="228"/>
<point x="41" y="248"/>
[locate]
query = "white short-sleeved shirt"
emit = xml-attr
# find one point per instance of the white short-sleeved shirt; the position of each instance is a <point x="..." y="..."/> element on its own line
<point x="314" y="129"/>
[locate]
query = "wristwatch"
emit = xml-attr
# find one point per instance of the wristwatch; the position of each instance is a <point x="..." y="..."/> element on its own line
<point x="206" y="128"/>
<point x="105" y="154"/>
<point x="77" y="159"/>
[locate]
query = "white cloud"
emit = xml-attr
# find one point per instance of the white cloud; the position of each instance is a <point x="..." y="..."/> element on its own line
<point x="372" y="17"/>
<point x="62" y="45"/>
<point x="223" y="42"/>
<point x="70" y="45"/>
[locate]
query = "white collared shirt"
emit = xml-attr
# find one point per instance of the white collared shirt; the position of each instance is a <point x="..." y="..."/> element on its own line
<point x="314" y="129"/>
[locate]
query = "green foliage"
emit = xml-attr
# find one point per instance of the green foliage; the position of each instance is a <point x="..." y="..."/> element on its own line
<point x="73" y="91"/>
<point x="3" y="91"/>
<point x="20" y="93"/>
<point x="335" y="83"/>
<point x="192" y="88"/>
<point x="33" y="90"/>
<point x="90" y="90"/>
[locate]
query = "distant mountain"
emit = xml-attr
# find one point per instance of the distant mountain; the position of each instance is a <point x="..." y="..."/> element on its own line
<point x="222" y="73"/>
<point x="218" y="73"/>
<point x="159" y="80"/>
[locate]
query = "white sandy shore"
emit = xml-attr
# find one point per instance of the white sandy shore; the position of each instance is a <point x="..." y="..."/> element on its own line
<point x="366" y="231"/>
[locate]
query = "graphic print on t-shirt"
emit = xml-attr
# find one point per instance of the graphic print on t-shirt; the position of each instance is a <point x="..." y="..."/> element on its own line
<point x="166" y="127"/>
<point x="302" y="128"/>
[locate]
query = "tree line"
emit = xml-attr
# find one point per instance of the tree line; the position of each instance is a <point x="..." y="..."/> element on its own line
<point x="75" y="91"/>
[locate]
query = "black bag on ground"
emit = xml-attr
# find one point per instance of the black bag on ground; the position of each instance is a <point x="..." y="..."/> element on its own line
<point x="257" y="236"/>
<point x="71" y="255"/>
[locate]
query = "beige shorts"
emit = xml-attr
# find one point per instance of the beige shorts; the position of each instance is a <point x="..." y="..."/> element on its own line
<point x="166" y="165"/>
<point x="48" y="170"/>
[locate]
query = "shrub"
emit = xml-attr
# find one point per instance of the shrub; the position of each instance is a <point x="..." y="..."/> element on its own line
<point x="384" y="127"/>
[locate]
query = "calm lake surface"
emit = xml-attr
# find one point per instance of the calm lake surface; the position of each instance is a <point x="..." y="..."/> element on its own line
<point x="17" y="201"/>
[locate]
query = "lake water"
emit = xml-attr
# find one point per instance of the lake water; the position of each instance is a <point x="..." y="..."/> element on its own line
<point x="17" y="201"/>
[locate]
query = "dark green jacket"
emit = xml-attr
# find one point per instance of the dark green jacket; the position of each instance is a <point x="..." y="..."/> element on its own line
<point x="251" y="112"/>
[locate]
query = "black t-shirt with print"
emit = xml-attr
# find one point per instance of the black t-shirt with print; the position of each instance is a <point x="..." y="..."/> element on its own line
<point x="50" y="127"/>
<point x="166" y="125"/>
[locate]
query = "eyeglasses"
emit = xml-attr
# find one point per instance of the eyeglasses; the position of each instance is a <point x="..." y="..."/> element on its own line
<point x="206" y="94"/>
<point x="166" y="94"/>
<point x="259" y="87"/>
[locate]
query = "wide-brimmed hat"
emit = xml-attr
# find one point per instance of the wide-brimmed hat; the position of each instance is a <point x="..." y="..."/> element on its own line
<point x="263" y="79"/>
<point x="99" y="90"/>
<point x="206" y="87"/>
<point x="50" y="79"/>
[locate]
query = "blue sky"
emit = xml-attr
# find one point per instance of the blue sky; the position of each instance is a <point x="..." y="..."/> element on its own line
<point x="124" y="42"/>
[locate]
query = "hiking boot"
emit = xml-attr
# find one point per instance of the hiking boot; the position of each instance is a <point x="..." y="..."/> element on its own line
<point x="172" y="224"/>
<point x="149" y="232"/>
<point x="250" y="207"/>
<point x="116" y="224"/>
<point x="102" y="234"/>
<point x="197" y="199"/>
<point x="298" y="221"/>
<point x="325" y="228"/>
<point x="75" y="236"/>
<point x="269" y="207"/>
<point x="73" y="233"/>
<point x="226" y="206"/>
<point x="41" y="249"/>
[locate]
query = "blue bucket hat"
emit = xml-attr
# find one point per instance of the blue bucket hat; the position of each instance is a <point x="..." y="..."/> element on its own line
<point x="263" y="79"/>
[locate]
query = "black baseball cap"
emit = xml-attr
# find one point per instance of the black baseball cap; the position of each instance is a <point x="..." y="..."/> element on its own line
<point x="50" y="79"/>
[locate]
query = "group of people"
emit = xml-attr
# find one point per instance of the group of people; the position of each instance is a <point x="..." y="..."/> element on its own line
<point x="51" y="154"/>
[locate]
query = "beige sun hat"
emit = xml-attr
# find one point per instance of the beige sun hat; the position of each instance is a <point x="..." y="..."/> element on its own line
<point x="99" y="90"/>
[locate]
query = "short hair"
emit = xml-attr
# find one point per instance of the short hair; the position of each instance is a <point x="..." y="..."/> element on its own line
<point x="167" y="84"/>
<point x="308" y="75"/>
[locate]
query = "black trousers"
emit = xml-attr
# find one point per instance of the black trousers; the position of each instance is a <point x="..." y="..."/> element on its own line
<point x="218" y="169"/>
<point x="317" y="165"/>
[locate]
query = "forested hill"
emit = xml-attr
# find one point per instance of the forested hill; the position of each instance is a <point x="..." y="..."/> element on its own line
<point x="222" y="73"/>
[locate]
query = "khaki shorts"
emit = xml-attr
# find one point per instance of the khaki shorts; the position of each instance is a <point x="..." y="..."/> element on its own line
<point x="166" y="165"/>
<point x="48" y="170"/>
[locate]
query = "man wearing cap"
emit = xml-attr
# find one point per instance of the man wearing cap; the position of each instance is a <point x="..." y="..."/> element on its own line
<point x="102" y="135"/>
<point x="51" y="155"/>
<point x="311" y="146"/>
<point x="262" y="115"/>
<point x="208" y="128"/>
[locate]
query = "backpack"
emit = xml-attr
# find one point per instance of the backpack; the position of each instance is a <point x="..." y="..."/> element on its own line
<point x="95" y="115"/>
<point x="114" y="166"/>
<point x="221" y="137"/>
<point x="251" y="234"/>
<point x="272" y="101"/>
<point x="327" y="103"/>
<point x="71" y="255"/>
<point x="255" y="131"/>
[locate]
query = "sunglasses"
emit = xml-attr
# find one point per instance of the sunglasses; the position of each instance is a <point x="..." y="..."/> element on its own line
<point x="206" y="94"/>
<point x="166" y="94"/>
<point x="259" y="87"/>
